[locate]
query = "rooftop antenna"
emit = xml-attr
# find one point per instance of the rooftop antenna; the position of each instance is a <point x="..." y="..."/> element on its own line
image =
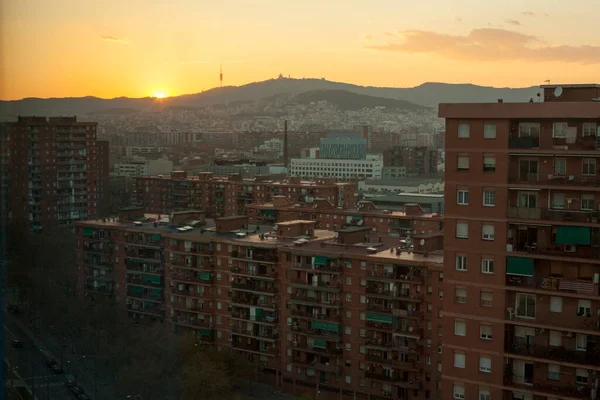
<point x="221" y="76"/>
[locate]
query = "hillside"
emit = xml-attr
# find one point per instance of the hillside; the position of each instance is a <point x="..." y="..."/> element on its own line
<point x="427" y="94"/>
<point x="349" y="101"/>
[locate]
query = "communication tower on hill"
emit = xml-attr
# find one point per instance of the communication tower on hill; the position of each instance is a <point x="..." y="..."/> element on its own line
<point x="221" y="77"/>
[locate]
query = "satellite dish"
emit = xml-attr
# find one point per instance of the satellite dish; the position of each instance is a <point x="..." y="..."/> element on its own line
<point x="422" y="242"/>
<point x="558" y="91"/>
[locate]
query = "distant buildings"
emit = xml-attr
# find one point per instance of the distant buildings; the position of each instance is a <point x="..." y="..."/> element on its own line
<point x="343" y="146"/>
<point x="342" y="169"/>
<point x="54" y="172"/>
<point x="272" y="146"/>
<point x="134" y="168"/>
<point x="417" y="161"/>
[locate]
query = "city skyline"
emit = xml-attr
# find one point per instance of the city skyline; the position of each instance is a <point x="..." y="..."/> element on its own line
<point x="137" y="50"/>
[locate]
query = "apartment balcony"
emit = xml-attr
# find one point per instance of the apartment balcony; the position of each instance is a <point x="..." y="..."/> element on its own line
<point x="328" y="286"/>
<point x="320" y="347"/>
<point x="261" y="318"/>
<point x="254" y="347"/>
<point x="396" y="312"/>
<point x="253" y="287"/>
<point x="551" y="389"/>
<point x="400" y="275"/>
<point x="524" y="142"/>
<point x="198" y="250"/>
<point x="259" y="272"/>
<point x="192" y="322"/>
<point x="144" y="268"/>
<point x="96" y="248"/>
<point x="330" y="268"/>
<point x="198" y="264"/>
<point x="151" y="281"/>
<point x="305" y="299"/>
<point x="394" y="360"/>
<point x="144" y="254"/>
<point x="551" y="214"/>
<point x="99" y="289"/>
<point x="257" y="334"/>
<point x="155" y="297"/>
<point x="318" y="315"/>
<point x="396" y="293"/>
<point x="394" y="324"/>
<point x="589" y="357"/>
<point x="382" y="376"/>
<point x="318" y="365"/>
<point x="252" y="301"/>
<point x="204" y="277"/>
<point x="545" y="282"/>
<point x="258" y="257"/>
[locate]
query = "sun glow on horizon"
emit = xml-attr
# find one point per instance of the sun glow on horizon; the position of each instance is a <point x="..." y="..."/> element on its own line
<point x="159" y="94"/>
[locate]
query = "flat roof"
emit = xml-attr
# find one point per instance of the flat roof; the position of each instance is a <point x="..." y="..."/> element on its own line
<point x="353" y="211"/>
<point x="579" y="85"/>
<point x="296" y="222"/>
<point x="546" y="110"/>
<point x="351" y="229"/>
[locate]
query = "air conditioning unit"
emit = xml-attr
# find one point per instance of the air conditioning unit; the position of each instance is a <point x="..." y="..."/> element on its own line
<point x="569" y="248"/>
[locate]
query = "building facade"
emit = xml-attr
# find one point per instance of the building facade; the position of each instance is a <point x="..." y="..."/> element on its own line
<point x="344" y="314"/>
<point x="52" y="174"/>
<point x="343" y="146"/>
<point x="337" y="169"/>
<point x="219" y="196"/>
<point x="418" y="161"/>
<point x="522" y="249"/>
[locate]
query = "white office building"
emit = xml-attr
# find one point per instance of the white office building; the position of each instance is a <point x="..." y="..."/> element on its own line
<point x="371" y="168"/>
<point x="143" y="168"/>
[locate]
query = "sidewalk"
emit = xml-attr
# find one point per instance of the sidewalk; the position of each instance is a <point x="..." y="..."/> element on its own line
<point x="51" y="349"/>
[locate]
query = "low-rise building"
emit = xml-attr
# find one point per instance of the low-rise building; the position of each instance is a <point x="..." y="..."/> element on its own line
<point x="370" y="168"/>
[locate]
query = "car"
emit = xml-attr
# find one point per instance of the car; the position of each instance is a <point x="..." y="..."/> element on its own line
<point x="57" y="369"/>
<point x="50" y="362"/>
<point x="17" y="344"/>
<point x="83" y="396"/>
<point x="70" y="381"/>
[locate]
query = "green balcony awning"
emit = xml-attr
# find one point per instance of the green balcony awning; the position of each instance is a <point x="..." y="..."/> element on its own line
<point x="152" y="278"/>
<point x="205" y="276"/>
<point x="206" y="332"/>
<point x="156" y="292"/>
<point x="357" y="218"/>
<point x="149" y="304"/>
<point x="321" y="343"/>
<point x="156" y="237"/>
<point x="136" y="290"/>
<point x="573" y="235"/>
<point x="269" y="212"/>
<point x="319" y="260"/>
<point x="325" y="326"/>
<point x="88" y="231"/>
<point x="519" y="266"/>
<point x="384" y="319"/>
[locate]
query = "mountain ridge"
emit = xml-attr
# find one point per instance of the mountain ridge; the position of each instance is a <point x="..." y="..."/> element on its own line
<point x="428" y="94"/>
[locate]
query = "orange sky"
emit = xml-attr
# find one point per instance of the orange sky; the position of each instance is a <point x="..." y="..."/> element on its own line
<point x="135" y="48"/>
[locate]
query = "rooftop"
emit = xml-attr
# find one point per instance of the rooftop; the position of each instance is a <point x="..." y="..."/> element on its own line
<point x="535" y="110"/>
<point x="353" y="211"/>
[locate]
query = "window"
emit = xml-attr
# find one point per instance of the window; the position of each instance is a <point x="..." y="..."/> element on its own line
<point x="459" y="392"/>
<point x="487" y="232"/>
<point x="464" y="130"/>
<point x="555" y="338"/>
<point x="462" y="197"/>
<point x="560" y="166"/>
<point x="463" y="163"/>
<point x="489" y="163"/>
<point x="581" y="376"/>
<point x="588" y="129"/>
<point x="584" y="308"/>
<point x="558" y="201"/>
<point x="485" y="332"/>
<point x="486" y="299"/>
<point x="459" y="360"/>
<point x="581" y="342"/>
<point x="559" y="130"/>
<point x="556" y="304"/>
<point x="484" y="395"/>
<point x="588" y="166"/>
<point x="487" y="266"/>
<point x="528" y="200"/>
<point x="460" y="327"/>
<point x="525" y="305"/>
<point x="489" y="131"/>
<point x="348" y="380"/>
<point x="348" y="297"/>
<point x="485" y="364"/>
<point x="461" y="263"/>
<point x="348" y="330"/>
<point x="529" y="129"/>
<point x="462" y="230"/>
<point x="489" y="198"/>
<point x="553" y="372"/>
<point x="587" y="202"/>
<point x="460" y="295"/>
<point x="428" y="360"/>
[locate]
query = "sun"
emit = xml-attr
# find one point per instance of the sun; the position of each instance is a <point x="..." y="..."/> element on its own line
<point x="159" y="94"/>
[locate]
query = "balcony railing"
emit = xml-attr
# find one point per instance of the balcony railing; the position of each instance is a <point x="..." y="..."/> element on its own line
<point x="147" y="310"/>
<point x="399" y="275"/>
<point x="192" y="322"/>
<point x="561" y="354"/>
<point x="99" y="289"/>
<point x="254" y="347"/>
<point x="395" y="361"/>
<point x="135" y="280"/>
<point x="253" y="287"/>
<point x="333" y="285"/>
<point x="524" y="142"/>
<point x="413" y="330"/>
<point x="396" y="293"/>
<point x="259" y="333"/>
<point x="252" y="301"/>
<point x="147" y="296"/>
<point x="553" y="389"/>
<point x="381" y="376"/>
<point x="316" y="300"/>
<point x="252" y="272"/>
<point x="553" y="214"/>
<point x="270" y="319"/>
<point x="326" y="351"/>
<point x="329" y="268"/>
<point x="558" y="250"/>
<point x="554" y="284"/>
<point x="191" y="278"/>
<point x="399" y="312"/>
<point x="332" y="368"/>
<point x="316" y="316"/>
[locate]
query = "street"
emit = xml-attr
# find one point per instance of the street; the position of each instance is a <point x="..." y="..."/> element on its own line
<point x="28" y="362"/>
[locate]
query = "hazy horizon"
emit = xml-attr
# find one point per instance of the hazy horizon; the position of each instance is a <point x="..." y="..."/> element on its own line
<point x="137" y="49"/>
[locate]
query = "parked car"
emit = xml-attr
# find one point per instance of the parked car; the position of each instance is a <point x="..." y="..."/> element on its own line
<point x="76" y="390"/>
<point x="17" y="343"/>
<point x="50" y="363"/>
<point x="83" y="396"/>
<point x="57" y="369"/>
<point x="70" y="381"/>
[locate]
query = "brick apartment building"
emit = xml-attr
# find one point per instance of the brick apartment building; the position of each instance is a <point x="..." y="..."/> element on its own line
<point x="418" y="161"/>
<point x="346" y="314"/>
<point x="522" y="300"/>
<point x="219" y="196"/>
<point x="50" y="172"/>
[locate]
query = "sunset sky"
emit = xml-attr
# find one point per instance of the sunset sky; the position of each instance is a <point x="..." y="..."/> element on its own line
<point x="135" y="48"/>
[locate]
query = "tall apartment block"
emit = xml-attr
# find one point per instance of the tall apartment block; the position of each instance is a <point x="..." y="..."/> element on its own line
<point x="220" y="197"/>
<point x="49" y="172"/>
<point x="522" y="248"/>
<point x="340" y="314"/>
